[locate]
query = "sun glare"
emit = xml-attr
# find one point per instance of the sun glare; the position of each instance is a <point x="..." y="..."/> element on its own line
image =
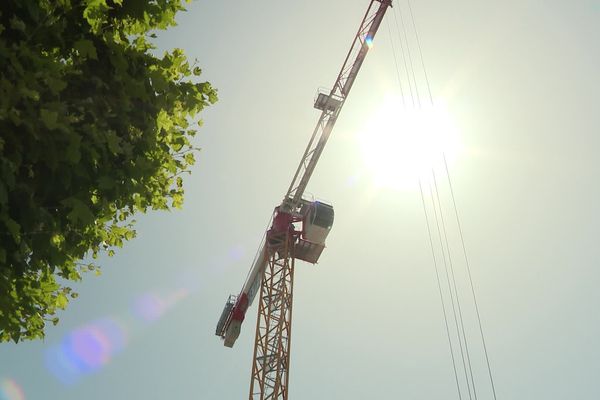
<point x="401" y="144"/>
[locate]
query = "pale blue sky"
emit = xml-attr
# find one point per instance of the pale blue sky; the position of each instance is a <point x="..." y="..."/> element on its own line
<point x="520" y="79"/>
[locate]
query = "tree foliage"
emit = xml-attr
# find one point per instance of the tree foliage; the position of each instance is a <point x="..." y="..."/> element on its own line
<point x="93" y="128"/>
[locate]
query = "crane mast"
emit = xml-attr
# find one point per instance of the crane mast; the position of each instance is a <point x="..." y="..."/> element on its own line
<point x="298" y="231"/>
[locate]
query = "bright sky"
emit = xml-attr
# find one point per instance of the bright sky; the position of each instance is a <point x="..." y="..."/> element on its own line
<point x="518" y="84"/>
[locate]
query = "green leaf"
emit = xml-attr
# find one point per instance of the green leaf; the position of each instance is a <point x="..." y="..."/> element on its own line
<point x="56" y="85"/>
<point x="163" y="120"/>
<point x="95" y="13"/>
<point x="159" y="81"/>
<point x="72" y="151"/>
<point x="113" y="142"/>
<point x="17" y="24"/>
<point x="57" y="239"/>
<point x="105" y="182"/>
<point x="177" y="200"/>
<point x="86" y="48"/>
<point x="49" y="118"/>
<point x="189" y="158"/>
<point x="29" y="93"/>
<point x="13" y="227"/>
<point x="80" y="213"/>
<point x="61" y="301"/>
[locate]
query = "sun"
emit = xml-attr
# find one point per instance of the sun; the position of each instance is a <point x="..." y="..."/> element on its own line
<point x="401" y="144"/>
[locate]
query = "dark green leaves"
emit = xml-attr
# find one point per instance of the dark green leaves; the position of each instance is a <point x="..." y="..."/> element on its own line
<point x="77" y="211"/>
<point x="49" y="118"/>
<point x="86" y="48"/>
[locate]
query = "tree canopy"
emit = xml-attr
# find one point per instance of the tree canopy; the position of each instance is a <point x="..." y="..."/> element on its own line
<point x="94" y="127"/>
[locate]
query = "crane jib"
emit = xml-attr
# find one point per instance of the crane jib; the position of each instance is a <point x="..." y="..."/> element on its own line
<point x="340" y="90"/>
<point x="293" y="205"/>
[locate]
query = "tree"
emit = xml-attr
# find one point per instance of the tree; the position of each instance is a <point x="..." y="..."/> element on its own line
<point x="93" y="129"/>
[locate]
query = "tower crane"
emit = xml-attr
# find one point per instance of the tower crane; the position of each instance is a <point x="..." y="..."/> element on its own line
<point x="298" y="230"/>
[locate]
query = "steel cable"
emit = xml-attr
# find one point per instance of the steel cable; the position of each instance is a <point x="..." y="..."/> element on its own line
<point x="460" y="316"/>
<point x="462" y="240"/>
<point x="396" y="63"/>
<point x="456" y="322"/>
<point x="437" y="275"/>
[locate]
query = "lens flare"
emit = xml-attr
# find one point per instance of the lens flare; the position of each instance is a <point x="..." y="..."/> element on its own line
<point x="62" y="365"/>
<point x="369" y="41"/>
<point x="89" y="348"/>
<point x="10" y="390"/>
<point x="352" y="180"/>
<point x="86" y="349"/>
<point x="149" y="307"/>
<point x="236" y="253"/>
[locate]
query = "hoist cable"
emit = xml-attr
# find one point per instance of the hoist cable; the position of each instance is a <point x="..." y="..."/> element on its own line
<point x="404" y="58"/>
<point x="412" y="17"/>
<point x="460" y="316"/>
<point x="462" y="354"/>
<point x="487" y="360"/>
<point x="439" y="284"/>
<point x="395" y="62"/>
<point x="412" y="69"/>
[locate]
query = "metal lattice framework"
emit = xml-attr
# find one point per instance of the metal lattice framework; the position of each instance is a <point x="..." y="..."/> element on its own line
<point x="271" y="361"/>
